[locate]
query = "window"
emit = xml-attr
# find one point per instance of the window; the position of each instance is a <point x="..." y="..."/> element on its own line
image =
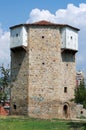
<point x="65" y="89"/>
<point x="81" y="112"/>
<point x="43" y="63"/>
<point x="42" y="36"/>
<point x="14" y="106"/>
<point x="71" y="37"/>
<point x="17" y="35"/>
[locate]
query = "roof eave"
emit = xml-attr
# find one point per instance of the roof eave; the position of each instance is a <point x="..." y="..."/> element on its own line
<point x="45" y="23"/>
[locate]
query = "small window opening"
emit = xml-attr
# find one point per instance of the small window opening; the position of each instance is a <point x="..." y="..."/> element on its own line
<point x="43" y="63"/>
<point x="81" y="112"/>
<point x="14" y="106"/>
<point x="19" y="64"/>
<point x="17" y="35"/>
<point x="65" y="89"/>
<point x="42" y="36"/>
<point x="71" y="37"/>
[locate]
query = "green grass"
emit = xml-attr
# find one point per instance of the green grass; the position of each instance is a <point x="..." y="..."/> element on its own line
<point x="26" y="123"/>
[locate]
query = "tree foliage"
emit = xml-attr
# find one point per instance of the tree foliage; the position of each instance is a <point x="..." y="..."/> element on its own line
<point x="4" y="83"/>
<point x="80" y="94"/>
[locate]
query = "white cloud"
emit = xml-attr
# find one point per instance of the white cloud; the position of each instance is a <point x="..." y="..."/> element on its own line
<point x="4" y="47"/>
<point x="73" y="15"/>
<point x="37" y="14"/>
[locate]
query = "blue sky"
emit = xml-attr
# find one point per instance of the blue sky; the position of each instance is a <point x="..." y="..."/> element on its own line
<point x="72" y="12"/>
<point x="17" y="11"/>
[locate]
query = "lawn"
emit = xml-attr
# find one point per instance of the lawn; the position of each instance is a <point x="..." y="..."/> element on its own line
<point x="26" y="123"/>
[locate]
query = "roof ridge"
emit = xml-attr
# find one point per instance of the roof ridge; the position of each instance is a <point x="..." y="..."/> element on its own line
<point x="43" y="22"/>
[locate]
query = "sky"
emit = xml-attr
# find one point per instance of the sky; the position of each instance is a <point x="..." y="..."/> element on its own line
<point x="72" y="12"/>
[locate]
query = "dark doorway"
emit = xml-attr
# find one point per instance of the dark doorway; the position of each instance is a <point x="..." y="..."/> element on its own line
<point x="65" y="110"/>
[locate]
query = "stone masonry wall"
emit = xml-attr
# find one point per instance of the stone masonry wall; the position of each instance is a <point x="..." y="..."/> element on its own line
<point x="19" y="82"/>
<point x="40" y="74"/>
<point x="48" y="74"/>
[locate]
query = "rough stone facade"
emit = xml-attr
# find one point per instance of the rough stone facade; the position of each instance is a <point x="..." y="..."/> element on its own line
<point x="43" y="76"/>
<point x="19" y="81"/>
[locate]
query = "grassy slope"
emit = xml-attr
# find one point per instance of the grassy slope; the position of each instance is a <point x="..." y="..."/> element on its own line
<point x="23" y="123"/>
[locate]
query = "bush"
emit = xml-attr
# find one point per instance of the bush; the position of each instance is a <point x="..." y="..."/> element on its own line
<point x="80" y="94"/>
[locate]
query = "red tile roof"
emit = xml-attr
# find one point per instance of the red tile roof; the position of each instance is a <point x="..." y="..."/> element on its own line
<point x="44" y="23"/>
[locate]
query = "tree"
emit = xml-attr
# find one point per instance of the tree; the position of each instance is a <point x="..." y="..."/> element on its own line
<point x="80" y="94"/>
<point x="4" y="83"/>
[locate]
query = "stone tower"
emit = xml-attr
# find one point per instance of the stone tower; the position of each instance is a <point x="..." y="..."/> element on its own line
<point x="43" y="69"/>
